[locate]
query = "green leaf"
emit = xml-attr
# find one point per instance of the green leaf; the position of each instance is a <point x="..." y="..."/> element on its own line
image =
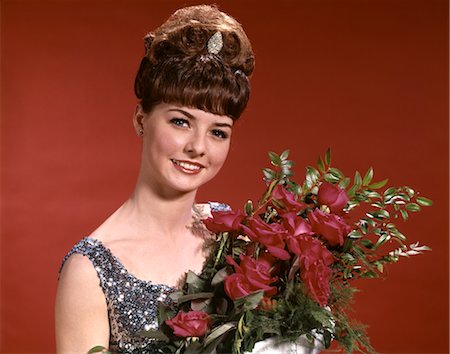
<point x="379" y="267"/>
<point x="344" y="183"/>
<point x="351" y="192"/>
<point x="284" y="155"/>
<point x="220" y="276"/>
<point x="162" y="312"/>
<point x="294" y="187"/>
<point x="383" y="238"/>
<point x="269" y="174"/>
<point x="404" y="196"/>
<point x="175" y="295"/>
<point x="219" y="331"/>
<point x="196" y="296"/>
<point x="412" y="207"/>
<point x="378" y="205"/>
<point x="337" y="173"/>
<point x="195" y="283"/>
<point x="347" y="245"/>
<point x="328" y="177"/>
<point x="274" y="159"/>
<point x="397" y="234"/>
<point x="404" y="214"/>
<point x="287" y="163"/>
<point x="379" y="184"/>
<point x="378" y="214"/>
<point x="311" y="176"/>
<point x="320" y="164"/>
<point x="357" y="180"/>
<point x="367" y="243"/>
<point x="373" y="194"/>
<point x="410" y="191"/>
<point x="328" y="157"/>
<point x="327" y="337"/>
<point x="98" y="349"/>
<point x="355" y="234"/>
<point x="368" y="177"/>
<point x="249" y="302"/>
<point x="424" y="201"/>
<point x="389" y="192"/>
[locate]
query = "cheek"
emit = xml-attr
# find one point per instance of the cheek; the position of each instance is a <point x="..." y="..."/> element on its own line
<point x="165" y="144"/>
<point x="221" y="153"/>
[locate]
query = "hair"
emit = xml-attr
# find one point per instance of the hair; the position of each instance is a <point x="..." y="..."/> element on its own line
<point x="177" y="67"/>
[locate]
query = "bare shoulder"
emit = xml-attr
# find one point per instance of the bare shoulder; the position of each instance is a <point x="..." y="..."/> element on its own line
<point x="78" y="282"/>
<point x="81" y="315"/>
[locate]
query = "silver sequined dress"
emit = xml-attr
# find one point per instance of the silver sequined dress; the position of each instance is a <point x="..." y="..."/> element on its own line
<point x="132" y="303"/>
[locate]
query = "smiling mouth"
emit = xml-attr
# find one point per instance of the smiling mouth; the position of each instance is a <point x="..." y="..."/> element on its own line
<point x="187" y="167"/>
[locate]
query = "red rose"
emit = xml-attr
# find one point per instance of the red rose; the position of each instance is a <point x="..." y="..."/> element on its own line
<point x="332" y="196"/>
<point x="317" y="280"/>
<point x="222" y="221"/>
<point x="311" y="250"/>
<point x="286" y="198"/>
<point x="330" y="226"/>
<point x="296" y="226"/>
<point x="272" y="236"/>
<point x="251" y="275"/>
<point x="189" y="324"/>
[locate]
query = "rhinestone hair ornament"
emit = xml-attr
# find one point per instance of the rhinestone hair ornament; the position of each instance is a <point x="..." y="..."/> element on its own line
<point x="215" y="43"/>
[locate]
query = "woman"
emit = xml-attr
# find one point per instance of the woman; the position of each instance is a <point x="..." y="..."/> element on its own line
<point x="192" y="85"/>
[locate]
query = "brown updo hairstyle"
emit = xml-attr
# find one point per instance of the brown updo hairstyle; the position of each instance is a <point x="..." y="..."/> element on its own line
<point x="177" y="67"/>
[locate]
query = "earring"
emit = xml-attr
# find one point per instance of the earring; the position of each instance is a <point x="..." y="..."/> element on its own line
<point x="141" y="132"/>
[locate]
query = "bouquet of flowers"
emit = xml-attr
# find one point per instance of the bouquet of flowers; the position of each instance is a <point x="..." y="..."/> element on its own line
<point x="284" y="267"/>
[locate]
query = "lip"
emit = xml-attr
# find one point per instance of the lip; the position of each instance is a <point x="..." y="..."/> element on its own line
<point x="186" y="166"/>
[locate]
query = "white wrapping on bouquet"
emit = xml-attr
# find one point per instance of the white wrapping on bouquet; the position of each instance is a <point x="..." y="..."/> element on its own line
<point x="277" y="346"/>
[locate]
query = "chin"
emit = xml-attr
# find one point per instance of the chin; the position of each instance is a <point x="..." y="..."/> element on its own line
<point x="188" y="185"/>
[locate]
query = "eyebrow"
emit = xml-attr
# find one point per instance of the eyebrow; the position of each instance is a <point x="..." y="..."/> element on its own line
<point x="190" y="116"/>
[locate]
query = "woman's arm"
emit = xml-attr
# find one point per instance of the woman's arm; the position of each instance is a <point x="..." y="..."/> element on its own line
<point x="81" y="315"/>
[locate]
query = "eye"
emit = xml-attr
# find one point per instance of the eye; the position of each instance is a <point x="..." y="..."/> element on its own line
<point x="180" y="122"/>
<point x="219" y="134"/>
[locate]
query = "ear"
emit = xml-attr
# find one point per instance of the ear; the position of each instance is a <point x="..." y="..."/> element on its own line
<point x="138" y="119"/>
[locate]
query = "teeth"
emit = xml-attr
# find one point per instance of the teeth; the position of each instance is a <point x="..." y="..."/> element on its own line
<point x="186" y="165"/>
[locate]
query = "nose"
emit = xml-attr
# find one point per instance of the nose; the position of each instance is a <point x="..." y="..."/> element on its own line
<point x="196" y="145"/>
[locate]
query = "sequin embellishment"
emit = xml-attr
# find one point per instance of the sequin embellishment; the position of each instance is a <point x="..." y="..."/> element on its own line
<point x="132" y="303"/>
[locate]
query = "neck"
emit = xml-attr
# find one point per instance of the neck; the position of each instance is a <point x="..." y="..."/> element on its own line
<point x="150" y="210"/>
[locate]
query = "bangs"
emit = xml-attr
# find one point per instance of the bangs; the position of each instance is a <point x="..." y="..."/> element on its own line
<point x="203" y="82"/>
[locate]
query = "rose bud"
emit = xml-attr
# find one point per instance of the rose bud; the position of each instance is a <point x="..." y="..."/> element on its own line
<point x="189" y="324"/>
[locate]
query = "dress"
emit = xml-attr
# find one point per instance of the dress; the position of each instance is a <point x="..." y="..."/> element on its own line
<point x="132" y="303"/>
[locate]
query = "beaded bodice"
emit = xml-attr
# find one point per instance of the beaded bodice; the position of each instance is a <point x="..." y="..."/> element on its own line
<point x="132" y="303"/>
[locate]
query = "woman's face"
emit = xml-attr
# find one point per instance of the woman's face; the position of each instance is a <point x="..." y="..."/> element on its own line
<point x="183" y="148"/>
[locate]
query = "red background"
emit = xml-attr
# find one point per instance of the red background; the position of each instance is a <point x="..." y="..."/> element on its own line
<point x="368" y="78"/>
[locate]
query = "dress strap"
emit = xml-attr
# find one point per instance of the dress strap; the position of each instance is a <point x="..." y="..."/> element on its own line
<point x="104" y="262"/>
